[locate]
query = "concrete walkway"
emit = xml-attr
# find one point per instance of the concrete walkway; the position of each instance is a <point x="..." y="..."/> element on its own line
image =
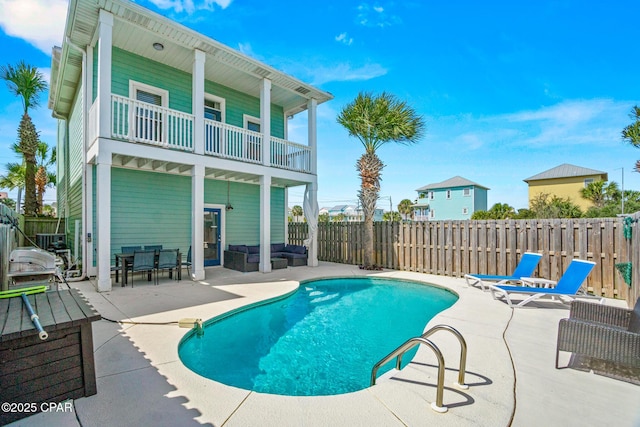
<point x="510" y="365"/>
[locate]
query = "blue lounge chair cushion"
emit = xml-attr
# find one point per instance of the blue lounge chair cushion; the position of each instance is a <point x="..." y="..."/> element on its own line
<point x="239" y="248"/>
<point x="254" y="249"/>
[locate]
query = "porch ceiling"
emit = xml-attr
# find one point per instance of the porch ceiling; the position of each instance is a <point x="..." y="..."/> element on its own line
<point x="152" y="165"/>
<point x="136" y="29"/>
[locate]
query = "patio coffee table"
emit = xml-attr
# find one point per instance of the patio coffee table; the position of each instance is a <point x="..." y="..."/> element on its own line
<point x="278" y="263"/>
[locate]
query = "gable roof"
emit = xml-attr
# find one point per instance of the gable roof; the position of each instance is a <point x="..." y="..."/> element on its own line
<point x="456" y="181"/>
<point x="566" y="170"/>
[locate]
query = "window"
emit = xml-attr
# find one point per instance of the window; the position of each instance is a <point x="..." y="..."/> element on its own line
<point x="431" y="195"/>
<point x="448" y="194"/>
<point x="465" y="211"/>
<point x="148" y="121"/>
<point x="587" y="181"/>
<point x="466" y="192"/>
<point x="432" y="213"/>
<point x="214" y="107"/>
<point x="251" y="123"/>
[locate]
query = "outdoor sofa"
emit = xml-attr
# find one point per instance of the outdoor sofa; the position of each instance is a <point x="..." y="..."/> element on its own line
<point x="247" y="258"/>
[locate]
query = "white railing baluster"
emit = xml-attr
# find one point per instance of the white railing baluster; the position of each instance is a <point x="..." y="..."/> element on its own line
<point x="141" y="122"/>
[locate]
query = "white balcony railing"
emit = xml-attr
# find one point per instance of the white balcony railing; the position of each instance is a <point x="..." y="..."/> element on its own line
<point x="289" y="155"/>
<point x="149" y="124"/>
<point x="231" y="142"/>
<point x="141" y="122"/>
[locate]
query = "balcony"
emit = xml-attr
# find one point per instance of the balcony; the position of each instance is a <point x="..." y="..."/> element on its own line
<point x="143" y="123"/>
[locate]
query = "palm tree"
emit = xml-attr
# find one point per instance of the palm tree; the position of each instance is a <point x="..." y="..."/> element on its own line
<point x="26" y="82"/>
<point x="376" y="120"/>
<point x="599" y="192"/>
<point x="297" y="212"/>
<point x="14" y="180"/>
<point x="631" y="133"/>
<point x="405" y="207"/>
<point x="501" y="211"/>
<point x="44" y="177"/>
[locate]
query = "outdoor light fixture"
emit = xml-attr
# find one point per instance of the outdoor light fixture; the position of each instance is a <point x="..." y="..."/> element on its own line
<point x="228" y="206"/>
<point x="158" y="46"/>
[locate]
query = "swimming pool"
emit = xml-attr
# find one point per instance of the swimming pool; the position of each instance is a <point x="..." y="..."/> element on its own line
<point x="321" y="340"/>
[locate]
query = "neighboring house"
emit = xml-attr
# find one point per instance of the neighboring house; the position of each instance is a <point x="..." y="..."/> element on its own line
<point x="166" y="136"/>
<point x="351" y="213"/>
<point x="565" y="181"/>
<point x="456" y="198"/>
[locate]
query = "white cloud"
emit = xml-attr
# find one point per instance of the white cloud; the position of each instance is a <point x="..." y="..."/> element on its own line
<point x="345" y="72"/>
<point x="344" y="38"/>
<point x="375" y="16"/>
<point x="39" y="22"/>
<point x="190" y="6"/>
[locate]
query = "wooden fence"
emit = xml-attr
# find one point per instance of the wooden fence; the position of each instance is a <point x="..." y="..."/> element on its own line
<point x="39" y="225"/>
<point x="454" y="248"/>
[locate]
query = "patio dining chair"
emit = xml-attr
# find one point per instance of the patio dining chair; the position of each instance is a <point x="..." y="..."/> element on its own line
<point x="187" y="263"/>
<point x="167" y="260"/>
<point x="143" y="261"/>
<point x="156" y="248"/>
<point x="130" y="249"/>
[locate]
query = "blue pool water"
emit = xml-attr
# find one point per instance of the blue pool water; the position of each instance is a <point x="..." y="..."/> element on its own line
<point x="323" y="339"/>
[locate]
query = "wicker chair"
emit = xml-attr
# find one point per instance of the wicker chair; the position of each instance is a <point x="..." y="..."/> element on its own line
<point x="601" y="332"/>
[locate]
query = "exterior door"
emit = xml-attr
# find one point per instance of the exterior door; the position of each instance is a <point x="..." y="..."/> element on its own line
<point x="212" y="236"/>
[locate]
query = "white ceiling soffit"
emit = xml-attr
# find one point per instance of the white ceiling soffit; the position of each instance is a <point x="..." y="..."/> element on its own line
<point x="136" y="29"/>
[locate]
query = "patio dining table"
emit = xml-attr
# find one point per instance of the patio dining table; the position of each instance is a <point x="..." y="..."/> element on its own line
<point x="126" y="260"/>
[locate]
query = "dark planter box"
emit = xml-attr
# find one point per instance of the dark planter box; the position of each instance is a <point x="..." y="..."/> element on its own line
<point x="36" y="372"/>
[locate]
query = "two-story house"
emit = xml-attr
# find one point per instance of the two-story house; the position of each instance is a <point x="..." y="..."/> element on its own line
<point x="456" y="198"/>
<point x="565" y="181"/>
<point x="166" y="136"/>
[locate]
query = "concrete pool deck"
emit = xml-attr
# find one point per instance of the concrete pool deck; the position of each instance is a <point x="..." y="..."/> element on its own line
<point x="510" y="365"/>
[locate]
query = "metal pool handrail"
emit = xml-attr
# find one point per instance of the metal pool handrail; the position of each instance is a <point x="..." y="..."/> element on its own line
<point x="412" y="342"/>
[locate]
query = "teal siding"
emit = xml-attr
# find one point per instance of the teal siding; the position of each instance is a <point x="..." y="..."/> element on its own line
<point x="238" y="104"/>
<point x="94" y="92"/>
<point x="150" y="208"/>
<point x="154" y="208"/>
<point x="452" y="208"/>
<point x="127" y="66"/>
<point x="277" y="215"/>
<point x="242" y="225"/>
<point x="73" y="165"/>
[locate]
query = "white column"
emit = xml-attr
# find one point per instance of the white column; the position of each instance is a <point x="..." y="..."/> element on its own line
<point x="197" y="96"/>
<point x="105" y="40"/>
<point x="286" y="215"/>
<point x="265" y="223"/>
<point x="310" y="208"/>
<point x="103" y="220"/>
<point x="265" y="120"/>
<point x="197" y="222"/>
<point x="312" y="106"/>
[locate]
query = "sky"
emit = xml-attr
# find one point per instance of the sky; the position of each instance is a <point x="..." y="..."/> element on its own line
<point x="507" y="89"/>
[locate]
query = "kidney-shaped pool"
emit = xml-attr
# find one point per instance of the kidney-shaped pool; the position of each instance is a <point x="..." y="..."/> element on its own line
<point x="322" y="339"/>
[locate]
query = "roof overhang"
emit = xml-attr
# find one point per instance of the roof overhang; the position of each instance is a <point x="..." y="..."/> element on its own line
<point x="136" y="29"/>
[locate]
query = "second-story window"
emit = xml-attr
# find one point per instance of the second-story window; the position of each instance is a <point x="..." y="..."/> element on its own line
<point x="466" y="192"/>
<point x="448" y="194"/>
<point x="149" y="116"/>
<point x="212" y="110"/>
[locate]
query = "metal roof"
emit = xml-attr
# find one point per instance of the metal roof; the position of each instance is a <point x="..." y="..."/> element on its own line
<point x="456" y="181"/>
<point x="566" y="170"/>
<point x="136" y="29"/>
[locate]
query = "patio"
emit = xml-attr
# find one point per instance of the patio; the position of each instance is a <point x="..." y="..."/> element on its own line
<point x="510" y="365"/>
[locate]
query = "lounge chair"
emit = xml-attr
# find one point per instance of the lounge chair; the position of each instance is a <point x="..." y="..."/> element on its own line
<point x="525" y="268"/>
<point x="568" y="286"/>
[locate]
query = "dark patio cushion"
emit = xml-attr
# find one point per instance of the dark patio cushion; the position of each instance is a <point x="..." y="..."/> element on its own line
<point x="239" y="248"/>
<point x="254" y="249"/>
<point x="295" y="249"/>
<point x="277" y="247"/>
<point x="253" y="258"/>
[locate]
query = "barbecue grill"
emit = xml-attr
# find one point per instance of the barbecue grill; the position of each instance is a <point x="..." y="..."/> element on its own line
<point x="31" y="266"/>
